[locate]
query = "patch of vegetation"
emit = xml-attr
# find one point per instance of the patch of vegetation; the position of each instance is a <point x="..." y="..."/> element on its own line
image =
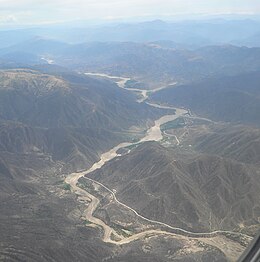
<point x="135" y="140"/>
<point x="177" y="123"/>
<point x="86" y="184"/>
<point x="165" y="139"/>
<point x="89" y="187"/>
<point x="59" y="182"/>
<point x="87" y="222"/>
<point x="125" y="232"/>
<point x="113" y="237"/>
<point x="66" y="186"/>
<point x="134" y="84"/>
<point x="130" y="83"/>
<point x="132" y="146"/>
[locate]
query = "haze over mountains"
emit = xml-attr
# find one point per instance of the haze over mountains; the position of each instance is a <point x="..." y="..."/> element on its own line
<point x="151" y="63"/>
<point x="202" y="177"/>
<point x="191" y="34"/>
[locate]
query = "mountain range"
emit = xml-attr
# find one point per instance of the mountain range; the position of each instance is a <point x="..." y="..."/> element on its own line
<point x="230" y="99"/>
<point x="56" y="123"/>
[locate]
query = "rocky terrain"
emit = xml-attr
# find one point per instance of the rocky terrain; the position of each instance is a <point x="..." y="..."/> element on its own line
<point x="148" y="64"/>
<point x="199" y="193"/>
<point x="129" y="142"/>
<point x="70" y="118"/>
<point x="211" y="98"/>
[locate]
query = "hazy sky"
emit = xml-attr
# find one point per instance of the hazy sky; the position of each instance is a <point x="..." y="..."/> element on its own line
<point x="42" y="11"/>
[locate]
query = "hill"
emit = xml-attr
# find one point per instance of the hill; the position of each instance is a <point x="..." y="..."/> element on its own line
<point x="232" y="99"/>
<point x="71" y="118"/>
<point x="241" y="143"/>
<point x="51" y="125"/>
<point x="153" y="64"/>
<point x="196" y="192"/>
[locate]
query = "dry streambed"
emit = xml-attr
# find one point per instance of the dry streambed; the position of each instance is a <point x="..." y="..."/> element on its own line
<point x="229" y="247"/>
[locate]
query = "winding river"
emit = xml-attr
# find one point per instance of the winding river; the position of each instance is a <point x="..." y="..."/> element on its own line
<point x="153" y="134"/>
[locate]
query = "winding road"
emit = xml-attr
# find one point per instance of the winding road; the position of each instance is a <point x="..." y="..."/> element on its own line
<point x="152" y="134"/>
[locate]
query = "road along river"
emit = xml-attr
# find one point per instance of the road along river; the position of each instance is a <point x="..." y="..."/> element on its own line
<point x="152" y="134"/>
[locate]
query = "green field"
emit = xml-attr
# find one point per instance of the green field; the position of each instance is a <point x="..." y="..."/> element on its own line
<point x="177" y="123"/>
<point x="66" y="186"/>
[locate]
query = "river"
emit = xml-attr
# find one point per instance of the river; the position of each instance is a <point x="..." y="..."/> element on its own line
<point x="153" y="134"/>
